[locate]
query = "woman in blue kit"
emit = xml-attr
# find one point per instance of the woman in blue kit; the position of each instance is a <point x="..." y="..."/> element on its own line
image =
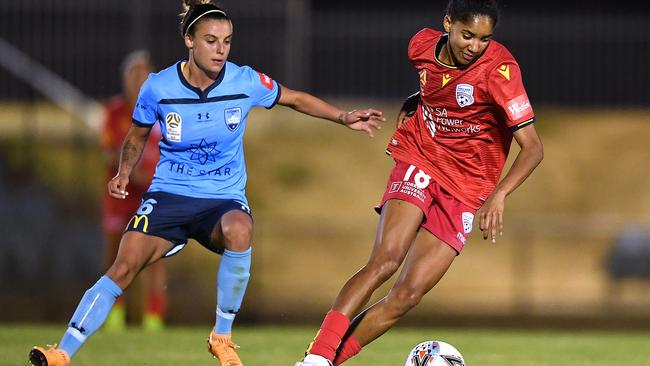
<point x="202" y="104"/>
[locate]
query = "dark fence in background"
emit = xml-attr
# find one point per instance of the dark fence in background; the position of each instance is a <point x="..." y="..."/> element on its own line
<point x="580" y="56"/>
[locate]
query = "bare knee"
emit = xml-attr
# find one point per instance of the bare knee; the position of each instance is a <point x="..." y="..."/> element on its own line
<point x="386" y="258"/>
<point x="122" y="272"/>
<point x="237" y="235"/>
<point x="136" y="251"/>
<point x="403" y="298"/>
<point x="382" y="269"/>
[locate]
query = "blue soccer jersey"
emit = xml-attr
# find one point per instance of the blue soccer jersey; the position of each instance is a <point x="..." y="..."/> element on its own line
<point x="201" y="150"/>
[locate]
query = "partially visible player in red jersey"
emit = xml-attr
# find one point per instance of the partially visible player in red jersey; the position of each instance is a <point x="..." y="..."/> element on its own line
<point x="449" y="157"/>
<point x="117" y="213"/>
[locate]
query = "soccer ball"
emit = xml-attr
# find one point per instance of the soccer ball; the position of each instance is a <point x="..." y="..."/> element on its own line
<point x="434" y="353"/>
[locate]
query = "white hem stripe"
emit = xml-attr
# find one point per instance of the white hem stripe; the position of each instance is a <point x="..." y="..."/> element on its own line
<point x="223" y="315"/>
<point x="76" y="334"/>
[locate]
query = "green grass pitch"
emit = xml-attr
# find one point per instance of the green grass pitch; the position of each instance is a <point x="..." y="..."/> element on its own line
<point x="282" y="346"/>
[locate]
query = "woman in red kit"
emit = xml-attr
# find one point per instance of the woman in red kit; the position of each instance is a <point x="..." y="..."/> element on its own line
<point x="449" y="157"/>
<point x="135" y="69"/>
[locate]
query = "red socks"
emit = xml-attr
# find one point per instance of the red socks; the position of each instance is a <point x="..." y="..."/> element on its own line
<point x="349" y="348"/>
<point x="329" y="336"/>
<point x="119" y="301"/>
<point x="157" y="303"/>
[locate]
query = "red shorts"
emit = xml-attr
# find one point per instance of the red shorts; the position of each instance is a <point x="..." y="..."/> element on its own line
<point x="444" y="216"/>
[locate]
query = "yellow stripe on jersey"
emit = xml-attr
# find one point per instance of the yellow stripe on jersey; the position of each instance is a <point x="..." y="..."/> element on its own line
<point x="522" y="124"/>
<point x="435" y="57"/>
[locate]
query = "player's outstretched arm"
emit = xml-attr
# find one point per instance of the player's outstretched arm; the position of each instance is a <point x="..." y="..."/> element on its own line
<point x="361" y="120"/>
<point x="131" y="152"/>
<point x="490" y="215"/>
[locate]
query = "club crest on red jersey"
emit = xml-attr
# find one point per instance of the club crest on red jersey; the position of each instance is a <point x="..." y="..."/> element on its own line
<point x="464" y="95"/>
<point x="468" y="219"/>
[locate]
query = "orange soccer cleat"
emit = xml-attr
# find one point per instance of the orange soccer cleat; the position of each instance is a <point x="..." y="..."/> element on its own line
<point x="222" y="347"/>
<point x="52" y="356"/>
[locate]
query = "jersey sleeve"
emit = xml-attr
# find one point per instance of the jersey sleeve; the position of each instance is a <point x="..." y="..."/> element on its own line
<point x="264" y="90"/>
<point x="145" y="111"/>
<point x="419" y="45"/>
<point x="507" y="89"/>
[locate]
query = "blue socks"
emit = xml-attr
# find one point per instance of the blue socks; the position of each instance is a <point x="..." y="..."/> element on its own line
<point x="95" y="305"/>
<point x="90" y="314"/>
<point x="232" y="280"/>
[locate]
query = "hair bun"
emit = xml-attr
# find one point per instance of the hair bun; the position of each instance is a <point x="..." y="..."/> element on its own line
<point x="187" y="4"/>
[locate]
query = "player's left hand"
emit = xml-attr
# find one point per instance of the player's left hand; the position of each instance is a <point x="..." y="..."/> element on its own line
<point x="490" y="216"/>
<point x="364" y="120"/>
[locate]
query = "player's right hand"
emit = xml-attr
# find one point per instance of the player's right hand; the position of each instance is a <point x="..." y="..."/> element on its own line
<point x="363" y="120"/>
<point x="117" y="186"/>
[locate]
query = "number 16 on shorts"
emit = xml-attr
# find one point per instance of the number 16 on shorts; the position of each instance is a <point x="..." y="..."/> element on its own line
<point x="411" y="182"/>
<point x="421" y="178"/>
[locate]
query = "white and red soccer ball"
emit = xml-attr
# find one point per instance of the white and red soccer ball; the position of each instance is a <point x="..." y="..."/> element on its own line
<point x="434" y="353"/>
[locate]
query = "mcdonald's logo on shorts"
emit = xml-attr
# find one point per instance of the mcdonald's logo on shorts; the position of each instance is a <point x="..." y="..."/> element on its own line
<point x="136" y="222"/>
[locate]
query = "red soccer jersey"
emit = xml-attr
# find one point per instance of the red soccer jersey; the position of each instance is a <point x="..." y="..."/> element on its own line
<point x="462" y="130"/>
<point x="117" y="122"/>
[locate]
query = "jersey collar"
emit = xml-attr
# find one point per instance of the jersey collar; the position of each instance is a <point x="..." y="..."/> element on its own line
<point x="203" y="94"/>
<point x="441" y="42"/>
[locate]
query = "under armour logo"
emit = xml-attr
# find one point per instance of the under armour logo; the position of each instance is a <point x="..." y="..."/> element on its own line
<point x="80" y="329"/>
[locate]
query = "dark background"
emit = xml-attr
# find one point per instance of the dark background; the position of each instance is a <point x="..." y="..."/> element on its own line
<point x="571" y="53"/>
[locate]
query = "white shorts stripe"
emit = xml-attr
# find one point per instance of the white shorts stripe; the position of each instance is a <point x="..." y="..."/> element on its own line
<point x="174" y="250"/>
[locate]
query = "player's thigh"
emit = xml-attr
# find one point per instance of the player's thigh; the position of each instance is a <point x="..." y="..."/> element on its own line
<point x="427" y="261"/>
<point x="404" y="204"/>
<point x="398" y="226"/>
<point x="449" y="219"/>
<point x="233" y="231"/>
<point x="137" y="250"/>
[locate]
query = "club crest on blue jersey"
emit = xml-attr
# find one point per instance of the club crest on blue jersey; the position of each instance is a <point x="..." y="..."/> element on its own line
<point x="232" y="117"/>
